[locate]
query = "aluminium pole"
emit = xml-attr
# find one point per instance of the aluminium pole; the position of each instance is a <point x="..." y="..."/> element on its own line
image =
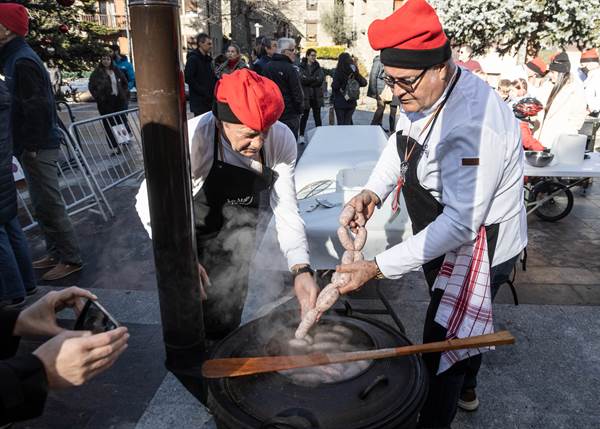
<point x="163" y="120"/>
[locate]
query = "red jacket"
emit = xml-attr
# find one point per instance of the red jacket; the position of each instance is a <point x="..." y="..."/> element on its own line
<point x="529" y="142"/>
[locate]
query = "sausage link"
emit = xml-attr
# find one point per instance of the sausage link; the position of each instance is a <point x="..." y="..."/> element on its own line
<point x="340" y="279"/>
<point x="307" y="322"/>
<point x="358" y="256"/>
<point x="327" y="298"/>
<point x="345" y="238"/>
<point x="361" y="238"/>
<point x="347" y="215"/>
<point x="348" y="257"/>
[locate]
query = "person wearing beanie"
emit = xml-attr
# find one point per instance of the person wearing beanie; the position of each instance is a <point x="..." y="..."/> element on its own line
<point x="539" y="85"/>
<point x="591" y="66"/>
<point x="566" y="107"/>
<point x="457" y="159"/>
<point x="242" y="162"/>
<point x="36" y="141"/>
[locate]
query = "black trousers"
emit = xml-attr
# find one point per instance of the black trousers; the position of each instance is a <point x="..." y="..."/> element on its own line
<point x="445" y="389"/>
<point x="344" y="116"/>
<point x="316" y="109"/>
<point x="293" y="124"/>
<point x="378" y="115"/>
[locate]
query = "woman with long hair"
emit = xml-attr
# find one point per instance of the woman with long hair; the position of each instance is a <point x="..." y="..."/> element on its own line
<point x="234" y="61"/>
<point x="312" y="77"/>
<point x="109" y="87"/>
<point x="343" y="88"/>
<point x="566" y="108"/>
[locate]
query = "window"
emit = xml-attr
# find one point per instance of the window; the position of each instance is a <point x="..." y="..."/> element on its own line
<point x="311" y="4"/>
<point x="311" y="31"/>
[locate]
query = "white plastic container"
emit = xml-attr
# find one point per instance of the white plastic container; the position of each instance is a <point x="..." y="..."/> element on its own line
<point x="569" y="149"/>
<point x="350" y="181"/>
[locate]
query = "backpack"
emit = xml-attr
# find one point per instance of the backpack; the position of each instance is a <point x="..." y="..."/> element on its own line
<point x="352" y="91"/>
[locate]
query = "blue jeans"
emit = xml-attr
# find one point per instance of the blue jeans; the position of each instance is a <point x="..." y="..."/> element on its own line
<point x="16" y="272"/>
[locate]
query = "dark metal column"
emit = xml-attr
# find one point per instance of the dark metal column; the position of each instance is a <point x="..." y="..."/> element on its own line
<point x="159" y="76"/>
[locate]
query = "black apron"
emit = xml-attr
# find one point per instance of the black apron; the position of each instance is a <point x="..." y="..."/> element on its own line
<point x="226" y="214"/>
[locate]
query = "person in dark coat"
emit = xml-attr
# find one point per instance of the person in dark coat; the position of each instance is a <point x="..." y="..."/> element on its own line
<point x="233" y="62"/>
<point x="345" y="69"/>
<point x="16" y="273"/>
<point x="312" y="78"/>
<point x="282" y="71"/>
<point x="268" y="48"/>
<point x="109" y="87"/>
<point x="36" y="141"/>
<point x="375" y="90"/>
<point x="69" y="358"/>
<point x="200" y="75"/>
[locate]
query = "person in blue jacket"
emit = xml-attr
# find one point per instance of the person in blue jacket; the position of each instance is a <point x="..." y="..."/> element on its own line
<point x="126" y="67"/>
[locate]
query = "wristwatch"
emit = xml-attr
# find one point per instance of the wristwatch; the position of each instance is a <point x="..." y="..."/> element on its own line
<point x="379" y="275"/>
<point x="302" y="269"/>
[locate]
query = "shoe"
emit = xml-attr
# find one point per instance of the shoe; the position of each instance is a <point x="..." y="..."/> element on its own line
<point x="46" y="262"/>
<point x="13" y="304"/>
<point x="30" y="292"/>
<point x="62" y="270"/>
<point x="301" y="140"/>
<point x="468" y="400"/>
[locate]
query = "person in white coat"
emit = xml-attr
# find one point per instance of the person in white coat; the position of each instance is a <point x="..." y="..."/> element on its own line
<point x="591" y="65"/>
<point x="457" y="160"/>
<point x="242" y="163"/>
<point x="566" y="108"/>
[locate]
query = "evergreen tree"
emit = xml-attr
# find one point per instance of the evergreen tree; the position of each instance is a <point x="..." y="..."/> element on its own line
<point x="58" y="33"/>
<point x="508" y="25"/>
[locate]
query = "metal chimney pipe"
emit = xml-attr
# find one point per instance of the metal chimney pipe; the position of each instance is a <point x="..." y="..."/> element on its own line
<point x="160" y="85"/>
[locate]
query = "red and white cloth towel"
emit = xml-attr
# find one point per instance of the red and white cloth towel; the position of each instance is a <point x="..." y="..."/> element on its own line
<point x="466" y="306"/>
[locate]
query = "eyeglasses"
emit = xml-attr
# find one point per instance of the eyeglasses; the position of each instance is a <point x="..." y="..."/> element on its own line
<point x="407" y="84"/>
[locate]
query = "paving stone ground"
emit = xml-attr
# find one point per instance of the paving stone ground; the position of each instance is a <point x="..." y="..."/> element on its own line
<point x="549" y="379"/>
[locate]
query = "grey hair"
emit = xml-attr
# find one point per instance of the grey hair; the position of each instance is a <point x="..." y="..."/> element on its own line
<point x="285" y="43"/>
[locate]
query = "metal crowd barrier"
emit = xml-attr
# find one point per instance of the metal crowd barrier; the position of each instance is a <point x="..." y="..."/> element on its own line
<point x="77" y="188"/>
<point x="111" y="146"/>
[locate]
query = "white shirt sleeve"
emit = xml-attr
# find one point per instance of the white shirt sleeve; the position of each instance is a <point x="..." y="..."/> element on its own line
<point x="385" y="175"/>
<point x="467" y="195"/>
<point x="288" y="223"/>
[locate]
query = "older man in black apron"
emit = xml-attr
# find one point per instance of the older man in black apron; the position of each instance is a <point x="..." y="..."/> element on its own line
<point x="458" y="162"/>
<point x="242" y="162"/>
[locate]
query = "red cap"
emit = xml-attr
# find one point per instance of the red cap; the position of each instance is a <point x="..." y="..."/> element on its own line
<point x="538" y="66"/>
<point x="14" y="17"/>
<point x="589" y="56"/>
<point x="245" y="97"/>
<point x="412" y="37"/>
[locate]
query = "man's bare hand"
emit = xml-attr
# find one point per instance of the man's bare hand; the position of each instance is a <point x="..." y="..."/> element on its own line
<point x="204" y="282"/>
<point x="364" y="205"/>
<point x="360" y="273"/>
<point x="306" y="291"/>
<point x="73" y="357"/>
<point x="40" y="317"/>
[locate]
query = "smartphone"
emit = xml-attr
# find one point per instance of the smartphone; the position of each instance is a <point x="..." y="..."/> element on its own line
<point x="95" y="318"/>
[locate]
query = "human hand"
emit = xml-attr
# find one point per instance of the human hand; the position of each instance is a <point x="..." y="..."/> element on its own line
<point x="360" y="273"/>
<point x="40" y="317"/>
<point x="306" y="291"/>
<point x="364" y="205"/>
<point x="204" y="282"/>
<point x="73" y="357"/>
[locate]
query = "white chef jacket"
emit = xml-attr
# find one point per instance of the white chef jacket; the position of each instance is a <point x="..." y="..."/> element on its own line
<point x="475" y="124"/>
<point x="592" y="90"/>
<point x="280" y="155"/>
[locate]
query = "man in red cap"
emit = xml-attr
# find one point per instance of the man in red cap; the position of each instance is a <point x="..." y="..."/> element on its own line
<point x="36" y="140"/>
<point x="243" y="161"/>
<point x="538" y="83"/>
<point x="590" y="65"/>
<point x="458" y="162"/>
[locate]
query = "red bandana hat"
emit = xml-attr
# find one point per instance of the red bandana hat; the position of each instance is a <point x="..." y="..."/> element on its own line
<point x="245" y="97"/>
<point x="15" y="18"/>
<point x="537" y="65"/>
<point x="590" y="56"/>
<point x="412" y="37"/>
